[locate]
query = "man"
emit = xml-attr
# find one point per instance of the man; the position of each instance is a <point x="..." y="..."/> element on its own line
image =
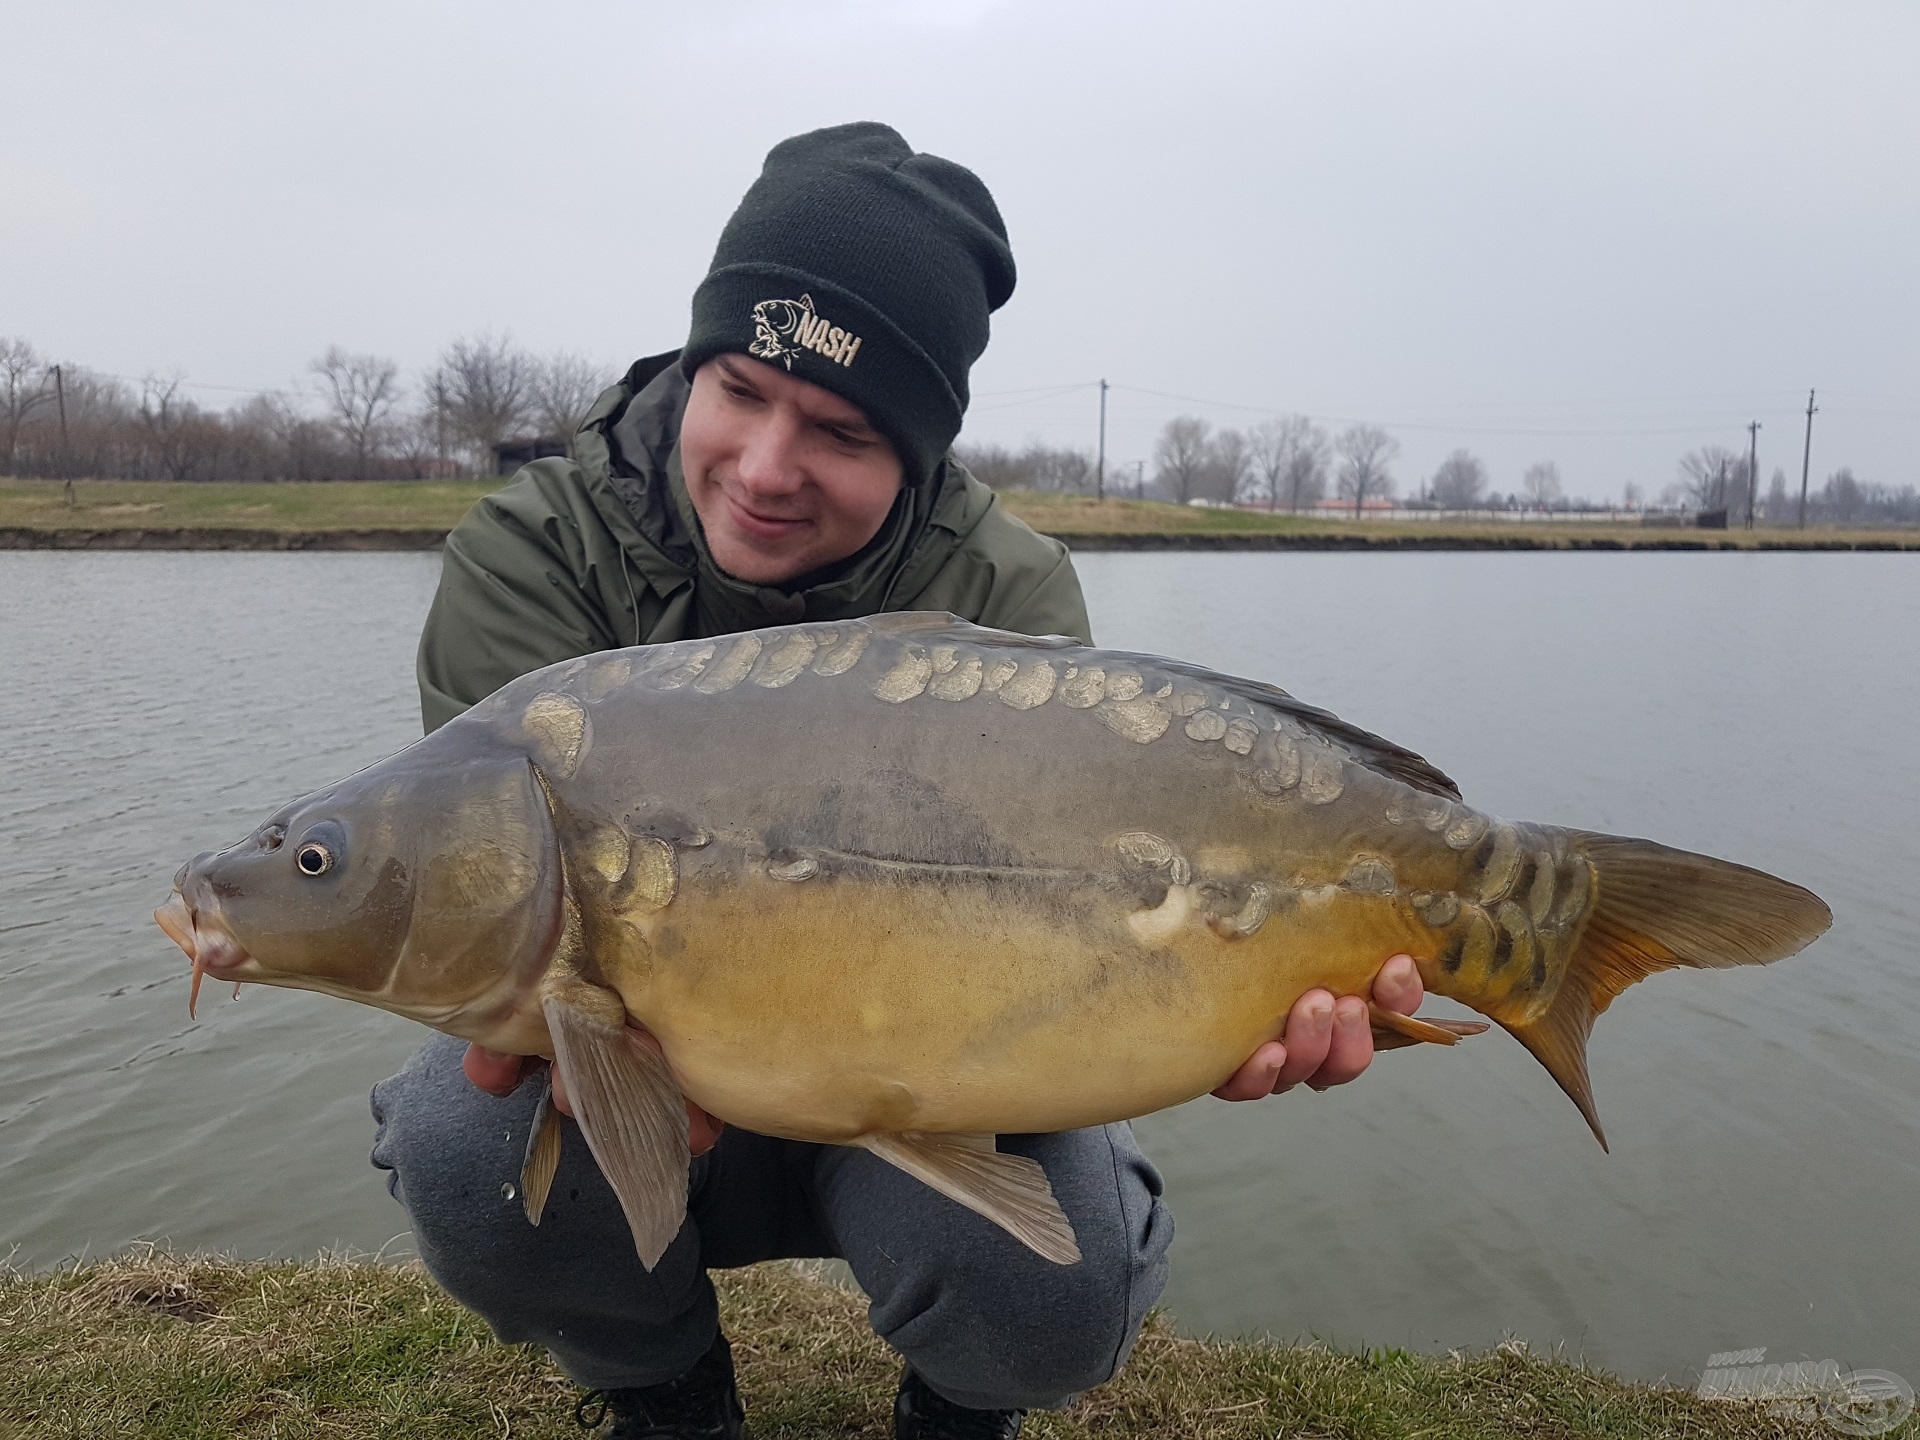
<point x="789" y="463"/>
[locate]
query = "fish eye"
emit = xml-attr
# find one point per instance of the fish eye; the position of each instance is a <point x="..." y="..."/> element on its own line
<point x="313" y="858"/>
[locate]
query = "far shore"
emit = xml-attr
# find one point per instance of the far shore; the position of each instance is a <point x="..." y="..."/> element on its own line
<point x="416" y="515"/>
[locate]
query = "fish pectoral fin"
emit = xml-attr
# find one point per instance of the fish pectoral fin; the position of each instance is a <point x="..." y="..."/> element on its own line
<point x="1010" y="1190"/>
<point x="628" y="1106"/>
<point x="1391" y="1030"/>
<point x="543" y="1150"/>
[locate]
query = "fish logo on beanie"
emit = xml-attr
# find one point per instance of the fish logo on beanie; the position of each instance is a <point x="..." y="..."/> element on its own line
<point x="783" y="328"/>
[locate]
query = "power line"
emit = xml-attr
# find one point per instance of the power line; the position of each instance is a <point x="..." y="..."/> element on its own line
<point x="187" y="384"/>
<point x="1058" y="392"/>
<point x="1032" y="389"/>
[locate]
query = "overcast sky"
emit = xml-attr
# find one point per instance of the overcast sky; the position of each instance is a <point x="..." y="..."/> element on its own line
<point x="1600" y="234"/>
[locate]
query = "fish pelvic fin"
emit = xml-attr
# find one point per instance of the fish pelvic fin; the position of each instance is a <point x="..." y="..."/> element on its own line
<point x="1010" y="1190"/>
<point x="627" y="1104"/>
<point x="543" y="1150"/>
<point x="1655" y="909"/>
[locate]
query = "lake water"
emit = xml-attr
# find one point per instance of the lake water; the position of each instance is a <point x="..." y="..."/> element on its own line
<point x="1765" y="1173"/>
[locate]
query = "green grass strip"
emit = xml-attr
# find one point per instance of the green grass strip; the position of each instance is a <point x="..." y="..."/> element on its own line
<point x="187" y="1347"/>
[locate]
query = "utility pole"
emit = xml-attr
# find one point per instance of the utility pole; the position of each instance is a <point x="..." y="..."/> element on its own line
<point x="66" y="463"/>
<point x="1139" y="479"/>
<point x="1753" y="467"/>
<point x="1100" y="472"/>
<point x="1806" y="457"/>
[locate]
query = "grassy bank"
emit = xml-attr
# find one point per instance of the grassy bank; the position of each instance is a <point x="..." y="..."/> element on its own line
<point x="414" y="514"/>
<point x="160" y="504"/>
<point x="167" y="1346"/>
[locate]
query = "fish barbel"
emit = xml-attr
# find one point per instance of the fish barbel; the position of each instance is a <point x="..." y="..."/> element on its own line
<point x="906" y="883"/>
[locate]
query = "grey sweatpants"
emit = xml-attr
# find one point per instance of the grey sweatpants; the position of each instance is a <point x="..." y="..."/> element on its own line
<point x="984" y="1321"/>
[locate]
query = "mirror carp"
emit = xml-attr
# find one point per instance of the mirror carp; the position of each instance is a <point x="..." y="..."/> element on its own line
<point x="905" y="883"/>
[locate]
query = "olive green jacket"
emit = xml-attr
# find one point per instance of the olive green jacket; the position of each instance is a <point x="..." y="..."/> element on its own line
<point x="604" y="550"/>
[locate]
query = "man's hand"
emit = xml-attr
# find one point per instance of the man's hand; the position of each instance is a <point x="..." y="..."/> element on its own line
<point x="1326" y="1041"/>
<point x="500" y="1074"/>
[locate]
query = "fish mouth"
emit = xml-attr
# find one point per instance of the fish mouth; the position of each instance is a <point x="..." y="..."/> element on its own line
<point x="207" y="942"/>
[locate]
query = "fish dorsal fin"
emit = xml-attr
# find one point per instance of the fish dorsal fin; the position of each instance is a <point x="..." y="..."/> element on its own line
<point x="943" y="625"/>
<point x="628" y="1106"/>
<point x="1394" y="761"/>
<point x="1010" y="1190"/>
<point x="1376" y="753"/>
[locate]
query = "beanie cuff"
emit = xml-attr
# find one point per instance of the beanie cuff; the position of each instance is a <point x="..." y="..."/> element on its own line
<point x="832" y="338"/>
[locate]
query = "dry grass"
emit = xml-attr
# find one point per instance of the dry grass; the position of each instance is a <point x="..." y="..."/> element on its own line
<point x="162" y="1345"/>
<point x="1077" y="515"/>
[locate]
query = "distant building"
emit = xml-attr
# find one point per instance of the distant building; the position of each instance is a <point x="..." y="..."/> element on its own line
<point x="510" y="455"/>
<point x="1379" y="505"/>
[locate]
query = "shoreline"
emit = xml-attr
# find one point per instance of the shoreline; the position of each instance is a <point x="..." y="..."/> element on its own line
<point x="221" y="537"/>
<point x="391" y="515"/>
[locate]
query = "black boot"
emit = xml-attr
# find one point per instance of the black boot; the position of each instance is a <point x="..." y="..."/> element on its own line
<point x="920" y="1414"/>
<point x="699" y="1405"/>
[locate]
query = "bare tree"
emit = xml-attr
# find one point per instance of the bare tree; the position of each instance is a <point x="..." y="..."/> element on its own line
<point x="1288" y="454"/>
<point x="1059" y="468"/>
<point x="23" y="389"/>
<point x="1038" y="467"/>
<point x="1365" y="453"/>
<point x="1739" y="491"/>
<point x="182" y="439"/>
<point x="994" y="466"/>
<point x="361" y="391"/>
<point x="254" y="451"/>
<point x="1704" y="476"/>
<point x="485" y="387"/>
<point x="1306" y="475"/>
<point x="1630" y="495"/>
<point x="1227" y="466"/>
<point x="1542" y="483"/>
<point x="1457" y="484"/>
<point x="1180" y="455"/>
<point x="1842" y="495"/>
<point x="104" y="426"/>
<point x="1776" y="507"/>
<point x="562" y="389"/>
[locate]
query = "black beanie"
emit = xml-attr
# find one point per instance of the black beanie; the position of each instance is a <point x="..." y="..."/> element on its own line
<point x="866" y="269"/>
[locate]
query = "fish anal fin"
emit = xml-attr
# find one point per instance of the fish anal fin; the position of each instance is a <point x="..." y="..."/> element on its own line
<point x="543" y="1151"/>
<point x="628" y="1106"/>
<point x="1010" y="1190"/>
<point x="1391" y="1030"/>
<point x="1655" y="908"/>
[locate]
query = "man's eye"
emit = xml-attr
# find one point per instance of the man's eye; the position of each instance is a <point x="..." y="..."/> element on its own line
<point x="847" y="437"/>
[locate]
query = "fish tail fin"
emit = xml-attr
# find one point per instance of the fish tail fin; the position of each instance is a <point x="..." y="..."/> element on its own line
<point x="1655" y="909"/>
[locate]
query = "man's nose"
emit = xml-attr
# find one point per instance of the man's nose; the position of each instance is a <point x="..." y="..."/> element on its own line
<point x="770" y="457"/>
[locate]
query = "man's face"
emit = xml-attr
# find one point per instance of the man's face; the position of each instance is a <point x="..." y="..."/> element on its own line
<point x="785" y="476"/>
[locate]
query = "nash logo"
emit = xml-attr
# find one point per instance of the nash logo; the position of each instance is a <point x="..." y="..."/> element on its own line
<point x="783" y="328"/>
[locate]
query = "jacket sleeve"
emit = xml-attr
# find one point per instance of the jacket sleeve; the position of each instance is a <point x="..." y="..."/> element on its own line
<point x="1051" y="605"/>
<point x="513" y="597"/>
